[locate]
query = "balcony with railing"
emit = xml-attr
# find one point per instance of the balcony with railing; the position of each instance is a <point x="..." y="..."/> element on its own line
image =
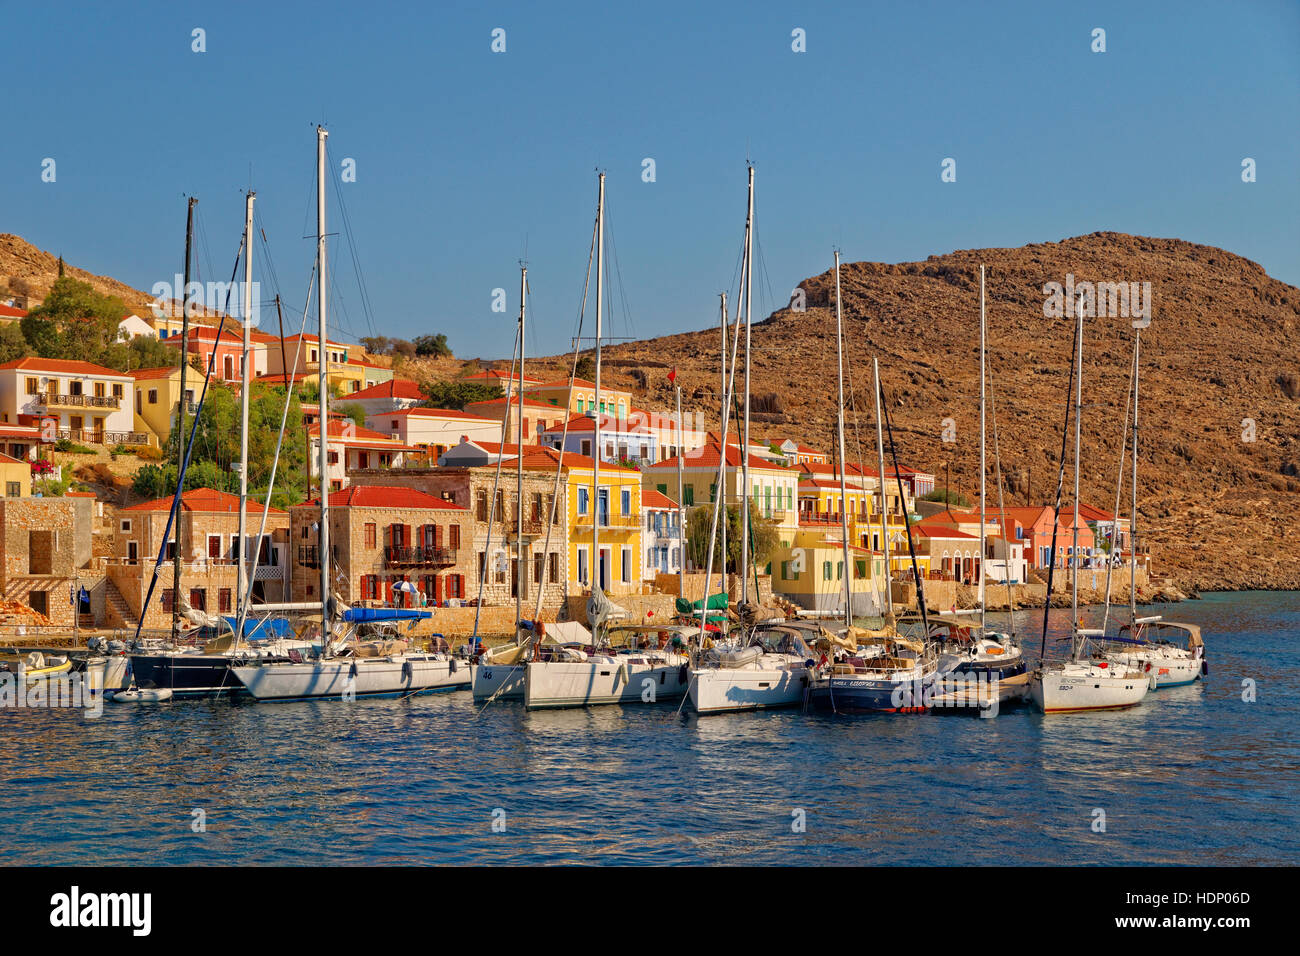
<point x="99" y="437"/>
<point x="60" y="400"/>
<point x="613" y="522"/>
<point x="396" y="556"/>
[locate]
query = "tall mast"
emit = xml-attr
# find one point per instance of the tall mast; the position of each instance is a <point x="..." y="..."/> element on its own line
<point x="180" y="415"/>
<point x="520" y="575"/>
<point x="242" y="575"/>
<point x="595" y="471"/>
<point x="722" y="436"/>
<point x="322" y="356"/>
<point x="983" y="546"/>
<point x="1133" y="512"/>
<point x="844" y="494"/>
<point x="1078" y="430"/>
<point x="749" y="309"/>
<point x="884" y="527"/>
<point x="681" y="524"/>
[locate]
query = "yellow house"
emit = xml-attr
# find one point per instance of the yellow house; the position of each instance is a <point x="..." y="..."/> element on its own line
<point x="820" y="506"/>
<point x="157" y="397"/>
<point x="581" y="398"/>
<point x="811" y="574"/>
<point x="303" y="360"/>
<point x="618" y="509"/>
<point x="773" y="486"/>
<point x="15" y="477"/>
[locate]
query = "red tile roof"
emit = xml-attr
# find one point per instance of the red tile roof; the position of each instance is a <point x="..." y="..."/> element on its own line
<point x="163" y="371"/>
<point x="346" y="432"/>
<point x="435" y="413"/>
<point x="61" y="366"/>
<point x="382" y="496"/>
<point x="396" y="388"/>
<point x="708" y="456"/>
<point x="655" y="499"/>
<point x="9" y="312"/>
<point x="204" y="500"/>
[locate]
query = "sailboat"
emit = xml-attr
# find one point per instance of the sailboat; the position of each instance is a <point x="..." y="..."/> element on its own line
<point x="350" y="665"/>
<point x="204" y="670"/>
<point x="983" y="653"/>
<point x="498" y="674"/>
<point x="763" y="666"/>
<point x="606" y="672"/>
<point x="1081" y="683"/>
<point x="1172" y="654"/>
<point x="888" y="672"/>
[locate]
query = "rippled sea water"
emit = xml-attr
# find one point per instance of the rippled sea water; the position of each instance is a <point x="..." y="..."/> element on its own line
<point x="1194" y="775"/>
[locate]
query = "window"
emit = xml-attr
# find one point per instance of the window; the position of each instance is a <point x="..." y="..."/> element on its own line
<point x="153" y="396"/>
<point x="627" y="501"/>
<point x="538" y="561"/>
<point x="553" y="571"/>
<point x="223" y="601"/>
<point x="582" y="565"/>
<point x="627" y="565"/>
<point x="117" y="390"/>
<point x="168" y="599"/>
<point x="453" y="536"/>
<point x="32" y="387"/>
<point x="333" y="458"/>
<point x="13" y="489"/>
<point x="139" y="402"/>
<point x="584" y="497"/>
<point x="689" y="497"/>
<point x="826" y="570"/>
<point x="662" y="489"/>
<point x="370" y="535"/>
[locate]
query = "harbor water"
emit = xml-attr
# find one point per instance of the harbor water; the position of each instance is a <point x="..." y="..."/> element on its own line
<point x="1204" y="774"/>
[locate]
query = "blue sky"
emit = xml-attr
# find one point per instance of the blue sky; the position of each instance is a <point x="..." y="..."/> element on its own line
<point x="465" y="158"/>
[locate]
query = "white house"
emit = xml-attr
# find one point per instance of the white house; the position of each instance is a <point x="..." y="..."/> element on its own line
<point x="434" y="429"/>
<point x="133" y="326"/>
<point x="619" y="440"/>
<point x="663" y="520"/>
<point x="394" y="395"/>
<point x="80" y="401"/>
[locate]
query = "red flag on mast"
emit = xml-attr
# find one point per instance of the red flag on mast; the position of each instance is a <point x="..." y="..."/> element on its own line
<point x="672" y="376"/>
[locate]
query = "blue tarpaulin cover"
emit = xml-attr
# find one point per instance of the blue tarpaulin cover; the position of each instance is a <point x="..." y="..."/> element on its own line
<point x="255" y="630"/>
<point x="356" y="615"/>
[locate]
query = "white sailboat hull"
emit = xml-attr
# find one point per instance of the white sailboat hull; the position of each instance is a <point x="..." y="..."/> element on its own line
<point x="716" y="690"/>
<point x="550" y="684"/>
<point x="497" y="681"/>
<point x="1073" y="688"/>
<point x="397" y="676"/>
<point x="1168" y="669"/>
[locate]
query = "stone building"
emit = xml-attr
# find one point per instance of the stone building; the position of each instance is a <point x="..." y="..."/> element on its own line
<point x="208" y="528"/>
<point x="381" y="537"/>
<point x="471" y="488"/>
<point x="46" y="556"/>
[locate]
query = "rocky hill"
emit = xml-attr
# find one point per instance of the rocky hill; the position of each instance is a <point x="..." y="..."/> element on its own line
<point x="1218" y="509"/>
<point x="28" y="271"/>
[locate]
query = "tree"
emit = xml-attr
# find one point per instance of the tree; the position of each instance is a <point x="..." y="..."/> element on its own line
<point x="376" y="344"/>
<point x="586" y="367"/>
<point x="355" y="412"/>
<point x="458" y="394"/>
<point x="699" y="522"/>
<point x="435" y="345"/>
<point x="216" y="444"/>
<point x="75" y="321"/>
<point x="13" y="344"/>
